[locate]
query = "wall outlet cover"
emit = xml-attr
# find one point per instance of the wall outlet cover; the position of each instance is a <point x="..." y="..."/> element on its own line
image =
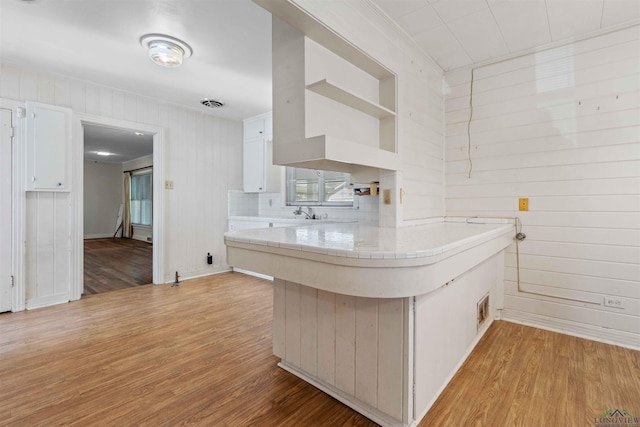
<point x="523" y="204"/>
<point x="386" y="197"/>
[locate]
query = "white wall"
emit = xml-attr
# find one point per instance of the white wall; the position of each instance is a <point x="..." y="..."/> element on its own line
<point x="202" y="155"/>
<point x="561" y="127"/>
<point x="102" y="198"/>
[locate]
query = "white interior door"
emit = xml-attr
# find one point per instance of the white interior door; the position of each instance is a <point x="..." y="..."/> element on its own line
<point x="5" y="209"/>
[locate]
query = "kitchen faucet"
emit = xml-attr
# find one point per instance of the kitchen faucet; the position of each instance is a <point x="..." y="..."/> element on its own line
<point x="308" y="215"/>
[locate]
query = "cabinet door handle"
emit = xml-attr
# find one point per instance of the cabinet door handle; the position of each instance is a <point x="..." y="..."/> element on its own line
<point x="59" y="184"/>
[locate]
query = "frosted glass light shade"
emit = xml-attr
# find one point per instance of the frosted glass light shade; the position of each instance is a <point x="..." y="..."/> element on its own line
<point x="164" y="50"/>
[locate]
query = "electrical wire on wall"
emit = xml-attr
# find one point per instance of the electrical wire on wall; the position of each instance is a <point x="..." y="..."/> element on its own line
<point x="469" y="124"/>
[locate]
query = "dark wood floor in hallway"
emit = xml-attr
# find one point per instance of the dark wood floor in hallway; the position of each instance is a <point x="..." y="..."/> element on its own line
<point x="112" y="264"/>
<point x="200" y="354"/>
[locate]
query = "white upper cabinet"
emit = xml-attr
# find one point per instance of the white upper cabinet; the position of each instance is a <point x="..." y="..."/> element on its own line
<point x="259" y="173"/>
<point x="48" y="148"/>
<point x="253" y="171"/>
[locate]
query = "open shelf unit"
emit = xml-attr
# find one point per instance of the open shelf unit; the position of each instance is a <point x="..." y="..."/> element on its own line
<point x="334" y="106"/>
<point x="333" y="91"/>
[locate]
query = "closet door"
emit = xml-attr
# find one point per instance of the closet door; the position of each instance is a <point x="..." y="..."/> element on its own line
<point x="48" y="147"/>
<point x="5" y="210"/>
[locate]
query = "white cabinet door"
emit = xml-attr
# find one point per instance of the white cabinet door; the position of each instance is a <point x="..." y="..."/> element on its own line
<point x="254" y="128"/>
<point x="254" y="165"/>
<point x="48" y="147"/>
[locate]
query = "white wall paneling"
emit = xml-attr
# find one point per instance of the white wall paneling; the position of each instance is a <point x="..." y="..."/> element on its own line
<point x="355" y="345"/>
<point x="201" y="154"/>
<point x="561" y="127"/>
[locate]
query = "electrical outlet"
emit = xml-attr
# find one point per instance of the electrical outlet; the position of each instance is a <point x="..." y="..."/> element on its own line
<point x="386" y="197"/>
<point x="523" y="204"/>
<point x="613" y="302"/>
<point x="168" y="185"/>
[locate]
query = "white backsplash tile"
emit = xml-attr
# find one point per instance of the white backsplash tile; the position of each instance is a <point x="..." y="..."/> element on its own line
<point x="271" y="205"/>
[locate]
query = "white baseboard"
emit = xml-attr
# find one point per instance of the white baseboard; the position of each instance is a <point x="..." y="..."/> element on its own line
<point x="47" y="301"/>
<point x="580" y="330"/>
<point x="197" y="273"/>
<point x="97" y="236"/>
<point x="251" y="273"/>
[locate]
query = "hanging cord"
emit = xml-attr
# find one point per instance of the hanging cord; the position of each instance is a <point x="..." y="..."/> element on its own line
<point x="469" y="125"/>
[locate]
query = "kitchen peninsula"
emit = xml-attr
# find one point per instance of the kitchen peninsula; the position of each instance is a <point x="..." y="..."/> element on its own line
<point x="379" y="318"/>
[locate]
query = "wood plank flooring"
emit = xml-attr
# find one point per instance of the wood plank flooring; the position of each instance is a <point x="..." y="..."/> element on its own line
<point x="200" y="354"/>
<point x="112" y="264"/>
<point x="523" y="376"/>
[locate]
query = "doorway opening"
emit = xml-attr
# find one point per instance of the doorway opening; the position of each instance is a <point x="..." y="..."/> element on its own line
<point x="118" y="208"/>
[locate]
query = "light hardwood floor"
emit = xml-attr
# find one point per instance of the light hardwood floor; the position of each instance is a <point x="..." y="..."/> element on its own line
<point x="200" y="354"/>
<point x="112" y="264"/>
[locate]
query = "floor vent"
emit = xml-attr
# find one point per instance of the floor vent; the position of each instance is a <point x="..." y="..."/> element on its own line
<point x="483" y="310"/>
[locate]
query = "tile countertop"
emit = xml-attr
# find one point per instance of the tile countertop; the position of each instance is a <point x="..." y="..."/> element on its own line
<point x="352" y="240"/>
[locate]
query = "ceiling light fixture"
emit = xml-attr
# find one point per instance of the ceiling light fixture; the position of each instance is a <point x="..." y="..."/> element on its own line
<point x="164" y="50"/>
<point x="139" y="133"/>
<point x="103" y="153"/>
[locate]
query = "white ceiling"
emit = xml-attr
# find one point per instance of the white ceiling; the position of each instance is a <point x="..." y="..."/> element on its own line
<point x="123" y="145"/>
<point x="458" y="33"/>
<point x="98" y="40"/>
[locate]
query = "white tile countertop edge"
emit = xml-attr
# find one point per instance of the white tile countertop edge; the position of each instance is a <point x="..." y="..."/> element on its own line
<point x="352" y="240"/>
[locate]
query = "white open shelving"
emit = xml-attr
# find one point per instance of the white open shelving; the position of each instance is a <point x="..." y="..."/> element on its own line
<point x="344" y="96"/>
<point x="334" y="106"/>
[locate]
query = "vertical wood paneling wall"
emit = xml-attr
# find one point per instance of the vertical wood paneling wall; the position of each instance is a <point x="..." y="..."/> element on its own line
<point x="561" y="127"/>
<point x="352" y="344"/>
<point x="203" y="156"/>
<point x="420" y="101"/>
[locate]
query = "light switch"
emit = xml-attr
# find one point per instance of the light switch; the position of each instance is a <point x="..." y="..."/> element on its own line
<point x="168" y="185"/>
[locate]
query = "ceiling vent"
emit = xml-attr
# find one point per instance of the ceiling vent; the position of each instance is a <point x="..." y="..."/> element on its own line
<point x="211" y="103"/>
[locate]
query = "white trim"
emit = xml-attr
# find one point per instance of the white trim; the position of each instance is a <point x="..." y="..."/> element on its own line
<point x="575" y="329"/>
<point x="251" y="273"/>
<point x="97" y="236"/>
<point x="80" y="119"/>
<point x="18" y="302"/>
<point x="47" y="301"/>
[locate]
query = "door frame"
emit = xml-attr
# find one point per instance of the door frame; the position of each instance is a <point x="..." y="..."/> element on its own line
<point x="80" y="119"/>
